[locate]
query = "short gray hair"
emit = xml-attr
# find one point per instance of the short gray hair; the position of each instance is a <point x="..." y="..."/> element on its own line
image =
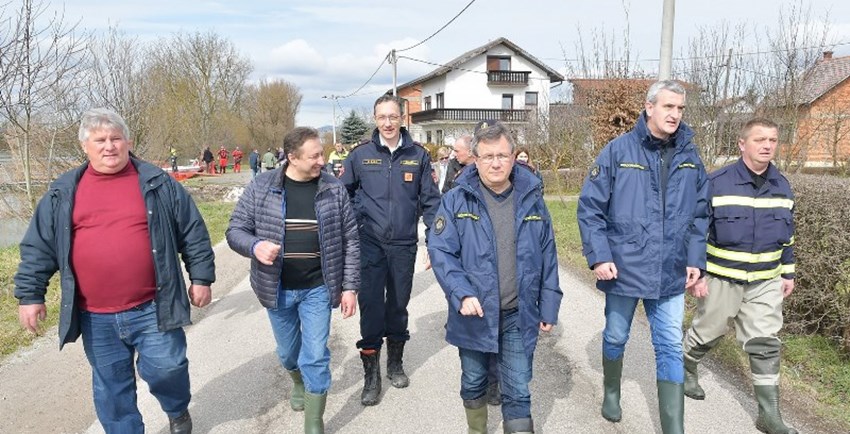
<point x="101" y="118"/>
<point x="464" y="140"/>
<point x="671" y="85"/>
<point x="492" y="133"/>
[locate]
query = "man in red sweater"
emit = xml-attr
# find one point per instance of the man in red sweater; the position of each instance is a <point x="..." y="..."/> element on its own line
<point x="114" y="229"/>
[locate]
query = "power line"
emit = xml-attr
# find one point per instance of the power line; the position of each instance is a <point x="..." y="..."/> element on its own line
<point x="438" y="30"/>
<point x="367" y="81"/>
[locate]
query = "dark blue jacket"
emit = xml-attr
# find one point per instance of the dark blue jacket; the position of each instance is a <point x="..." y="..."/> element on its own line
<point x="390" y="191"/>
<point x="260" y="215"/>
<point x="462" y="247"/>
<point x="751" y="235"/>
<point x="254" y="160"/>
<point x="175" y="227"/>
<point x="621" y="218"/>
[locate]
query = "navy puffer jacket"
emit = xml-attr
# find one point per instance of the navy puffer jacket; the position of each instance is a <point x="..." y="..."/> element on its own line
<point x="260" y="215"/>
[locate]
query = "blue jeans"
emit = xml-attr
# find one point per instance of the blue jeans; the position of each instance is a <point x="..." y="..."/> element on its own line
<point x="665" y="317"/>
<point x="514" y="370"/>
<point x="111" y="341"/>
<point x="383" y="313"/>
<point x="301" y="325"/>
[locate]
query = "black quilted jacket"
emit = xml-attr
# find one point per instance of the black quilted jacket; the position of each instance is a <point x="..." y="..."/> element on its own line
<point x="259" y="215"/>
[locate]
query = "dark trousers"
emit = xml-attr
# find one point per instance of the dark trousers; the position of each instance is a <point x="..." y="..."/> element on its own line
<point x="386" y="279"/>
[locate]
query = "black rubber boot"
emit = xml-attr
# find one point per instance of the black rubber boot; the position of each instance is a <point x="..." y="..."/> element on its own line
<point x="770" y="420"/>
<point x="371" y="378"/>
<point x="518" y="426"/>
<point x="476" y="415"/>
<point x="671" y="407"/>
<point x="181" y="424"/>
<point x="395" y="367"/>
<point x="613" y="372"/>
<point x="692" y="388"/>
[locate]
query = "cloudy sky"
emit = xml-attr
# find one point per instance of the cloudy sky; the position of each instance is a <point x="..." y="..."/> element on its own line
<point x="332" y="47"/>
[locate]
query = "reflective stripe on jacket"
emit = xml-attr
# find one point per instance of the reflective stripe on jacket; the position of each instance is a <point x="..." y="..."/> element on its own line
<point x="751" y="235"/>
<point x="463" y="253"/>
<point x="622" y="220"/>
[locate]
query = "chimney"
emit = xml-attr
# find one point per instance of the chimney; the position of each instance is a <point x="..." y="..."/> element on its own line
<point x="827" y="55"/>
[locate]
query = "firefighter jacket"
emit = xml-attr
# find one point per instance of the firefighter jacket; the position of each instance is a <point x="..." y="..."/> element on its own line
<point x="751" y="234"/>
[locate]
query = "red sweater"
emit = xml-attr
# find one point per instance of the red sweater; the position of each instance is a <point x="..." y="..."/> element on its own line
<point x="110" y="243"/>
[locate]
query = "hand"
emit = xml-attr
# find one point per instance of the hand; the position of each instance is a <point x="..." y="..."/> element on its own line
<point x="200" y="295"/>
<point x="427" y="261"/>
<point x="692" y="276"/>
<point x="30" y="314"/>
<point x="787" y="287"/>
<point x="545" y="327"/>
<point x="699" y="289"/>
<point x="605" y="271"/>
<point x="470" y="306"/>
<point x="266" y="252"/>
<point x="348" y="304"/>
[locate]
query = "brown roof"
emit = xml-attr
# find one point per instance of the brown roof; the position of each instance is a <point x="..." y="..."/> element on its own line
<point x="554" y="76"/>
<point x="823" y="77"/>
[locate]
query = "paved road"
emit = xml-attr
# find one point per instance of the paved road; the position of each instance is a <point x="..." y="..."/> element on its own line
<point x="239" y="386"/>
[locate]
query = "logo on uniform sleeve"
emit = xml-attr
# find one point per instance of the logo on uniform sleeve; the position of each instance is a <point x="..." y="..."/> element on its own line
<point x="594" y="172"/>
<point x="408" y="176"/>
<point x="371" y="161"/>
<point x="409" y="162"/>
<point x="467" y="215"/>
<point x="687" y="166"/>
<point x="532" y="218"/>
<point x="439" y="224"/>
<point x="632" y="166"/>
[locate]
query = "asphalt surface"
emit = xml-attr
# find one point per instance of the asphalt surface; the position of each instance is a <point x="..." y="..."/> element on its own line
<point x="239" y="387"/>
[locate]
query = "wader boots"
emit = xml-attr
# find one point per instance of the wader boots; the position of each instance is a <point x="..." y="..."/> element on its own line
<point x="395" y="369"/>
<point x="613" y="372"/>
<point x="371" y="377"/>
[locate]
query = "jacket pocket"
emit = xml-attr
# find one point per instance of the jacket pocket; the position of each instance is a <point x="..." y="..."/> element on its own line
<point x="732" y="226"/>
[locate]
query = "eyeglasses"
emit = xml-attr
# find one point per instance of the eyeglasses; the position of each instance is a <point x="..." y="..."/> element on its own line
<point x="444" y="158"/>
<point x="392" y="118"/>
<point x="488" y="159"/>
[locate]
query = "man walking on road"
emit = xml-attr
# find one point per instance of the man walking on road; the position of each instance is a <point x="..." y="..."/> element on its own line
<point x="750" y="268"/>
<point x="254" y="162"/>
<point x="493" y="252"/>
<point x="297" y="226"/>
<point x="389" y="181"/>
<point x="269" y="161"/>
<point x="114" y="229"/>
<point x="643" y="217"/>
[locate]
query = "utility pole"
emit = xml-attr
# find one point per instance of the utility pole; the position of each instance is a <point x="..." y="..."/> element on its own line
<point x="667" y="20"/>
<point x="333" y="99"/>
<point x="394" y="62"/>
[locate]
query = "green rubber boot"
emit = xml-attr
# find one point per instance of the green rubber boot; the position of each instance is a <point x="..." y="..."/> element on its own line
<point x="671" y="407"/>
<point x="314" y="412"/>
<point x="770" y="420"/>
<point x="296" y="398"/>
<point x="692" y="388"/>
<point x="613" y="372"/>
<point x="476" y="415"/>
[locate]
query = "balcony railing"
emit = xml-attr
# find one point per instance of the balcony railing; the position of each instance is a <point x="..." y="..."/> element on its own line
<point x="469" y="115"/>
<point x="508" y="78"/>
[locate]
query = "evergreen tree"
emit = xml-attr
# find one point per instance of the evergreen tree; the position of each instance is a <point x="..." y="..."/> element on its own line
<point x="353" y="128"/>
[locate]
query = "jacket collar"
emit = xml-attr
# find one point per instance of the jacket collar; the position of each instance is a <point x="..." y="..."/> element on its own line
<point x="523" y="180"/>
<point x="682" y="136"/>
<point x="147" y="173"/>
<point x="743" y="174"/>
<point x="406" y="140"/>
<point x="325" y="179"/>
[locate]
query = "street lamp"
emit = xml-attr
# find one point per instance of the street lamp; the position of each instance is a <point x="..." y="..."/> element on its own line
<point x="332" y="99"/>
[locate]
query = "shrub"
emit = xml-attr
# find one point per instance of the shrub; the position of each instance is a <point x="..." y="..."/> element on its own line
<point x="820" y="303"/>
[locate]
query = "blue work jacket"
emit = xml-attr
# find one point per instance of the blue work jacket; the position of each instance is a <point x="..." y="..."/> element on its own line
<point x="751" y="234"/>
<point x="463" y="254"/>
<point x="389" y="191"/>
<point x="624" y="218"/>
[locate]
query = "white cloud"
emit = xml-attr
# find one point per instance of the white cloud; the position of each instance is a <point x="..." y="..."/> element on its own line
<point x="296" y="57"/>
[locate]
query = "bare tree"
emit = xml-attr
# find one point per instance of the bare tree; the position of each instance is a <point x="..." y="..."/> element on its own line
<point x="270" y="109"/>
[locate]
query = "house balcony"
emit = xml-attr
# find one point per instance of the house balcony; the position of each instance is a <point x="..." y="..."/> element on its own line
<point x="468" y="115"/>
<point x="508" y="78"/>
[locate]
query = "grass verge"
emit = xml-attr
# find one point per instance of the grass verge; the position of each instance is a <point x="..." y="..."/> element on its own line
<point x="12" y="337"/>
<point x="813" y="368"/>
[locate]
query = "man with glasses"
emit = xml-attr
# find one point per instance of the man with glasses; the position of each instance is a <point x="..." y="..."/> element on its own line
<point x="493" y="252"/>
<point x="389" y="180"/>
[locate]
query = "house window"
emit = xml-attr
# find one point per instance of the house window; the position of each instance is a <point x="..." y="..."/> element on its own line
<point x="498" y="63"/>
<point x="507" y="101"/>
<point x="441" y="100"/>
<point x="427" y="137"/>
<point x="428" y="104"/>
<point x="530" y="99"/>
<point x="440" y="137"/>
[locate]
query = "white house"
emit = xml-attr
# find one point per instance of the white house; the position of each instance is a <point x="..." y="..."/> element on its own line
<point x="498" y="80"/>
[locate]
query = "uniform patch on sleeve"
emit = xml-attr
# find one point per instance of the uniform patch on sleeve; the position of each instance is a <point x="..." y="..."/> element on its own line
<point x="687" y="165"/>
<point x="439" y="224"/>
<point x="594" y="172"/>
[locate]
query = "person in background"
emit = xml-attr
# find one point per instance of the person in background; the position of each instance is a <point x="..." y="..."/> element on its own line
<point x="335" y="159"/>
<point x="269" y="160"/>
<point x="254" y="162"/>
<point x="237" y="160"/>
<point x="222" y="160"/>
<point x="116" y="229"/>
<point x="462" y="158"/>
<point x="523" y="158"/>
<point x="208" y="160"/>
<point x="173" y="157"/>
<point x="441" y="166"/>
<point x="297" y="226"/>
<point x="643" y="218"/>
